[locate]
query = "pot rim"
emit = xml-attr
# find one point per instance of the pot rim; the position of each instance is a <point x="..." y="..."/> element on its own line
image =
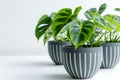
<point x="70" y="46"/>
<point x="53" y="41"/>
<point x="112" y="43"/>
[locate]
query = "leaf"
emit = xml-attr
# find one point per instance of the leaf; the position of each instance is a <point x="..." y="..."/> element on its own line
<point x="47" y="35"/>
<point x="89" y="13"/>
<point x="76" y="12"/>
<point x="98" y="19"/>
<point x="102" y="8"/>
<point x="48" y="32"/>
<point x="43" y="24"/>
<point x="62" y="18"/>
<point x="117" y="9"/>
<point x="112" y="21"/>
<point x="79" y="34"/>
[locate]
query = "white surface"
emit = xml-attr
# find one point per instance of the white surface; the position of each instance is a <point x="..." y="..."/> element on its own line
<point x="42" y="68"/>
<point x="18" y="19"/>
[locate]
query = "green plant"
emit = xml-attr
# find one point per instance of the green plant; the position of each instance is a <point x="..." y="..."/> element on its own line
<point x="62" y="18"/>
<point x="43" y="27"/>
<point x="113" y="36"/>
<point x="107" y="25"/>
<point x="79" y="32"/>
<point x="55" y="24"/>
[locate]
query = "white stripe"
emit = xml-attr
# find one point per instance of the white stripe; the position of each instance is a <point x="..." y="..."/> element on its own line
<point x="76" y="65"/>
<point x="114" y="58"/>
<point x="118" y="55"/>
<point x="57" y="54"/>
<point x="106" y="57"/>
<point x="98" y="64"/>
<point x="85" y="65"/>
<point x="103" y="60"/>
<point x="110" y="61"/>
<point x="101" y="57"/>
<point x="67" y="65"/>
<point x="71" y="64"/>
<point x="94" y="64"/>
<point x="89" y="66"/>
<point x="60" y="53"/>
<point x="80" y="65"/>
<point x="54" y="53"/>
<point x="50" y="51"/>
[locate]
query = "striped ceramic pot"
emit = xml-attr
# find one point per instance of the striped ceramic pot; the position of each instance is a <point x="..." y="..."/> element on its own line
<point x="82" y="63"/>
<point x="111" y="54"/>
<point x="55" y="51"/>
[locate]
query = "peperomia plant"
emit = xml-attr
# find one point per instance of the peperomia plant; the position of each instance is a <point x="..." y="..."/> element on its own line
<point x="55" y="24"/>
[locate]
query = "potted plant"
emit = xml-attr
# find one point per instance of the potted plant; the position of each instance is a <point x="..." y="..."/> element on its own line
<point x="110" y="27"/>
<point x="52" y="26"/>
<point x="111" y="48"/>
<point x="83" y="58"/>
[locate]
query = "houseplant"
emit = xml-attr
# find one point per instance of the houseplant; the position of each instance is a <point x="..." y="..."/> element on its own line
<point x="83" y="58"/>
<point x="111" y="27"/>
<point x="112" y="46"/>
<point x="51" y="26"/>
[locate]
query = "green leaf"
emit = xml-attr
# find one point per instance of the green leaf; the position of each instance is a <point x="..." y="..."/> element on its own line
<point x="43" y="24"/>
<point x="112" y="21"/>
<point x="117" y="9"/>
<point x="62" y="18"/>
<point x="47" y="35"/>
<point x="98" y="19"/>
<point x="80" y="33"/>
<point x="48" y="32"/>
<point x="102" y="8"/>
<point x="90" y="13"/>
<point x="76" y="12"/>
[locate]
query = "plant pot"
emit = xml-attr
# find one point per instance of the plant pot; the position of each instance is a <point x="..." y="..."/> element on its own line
<point x="55" y="51"/>
<point x="111" y="54"/>
<point x="82" y="63"/>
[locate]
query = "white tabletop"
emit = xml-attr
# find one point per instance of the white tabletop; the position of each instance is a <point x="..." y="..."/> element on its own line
<point x="42" y="68"/>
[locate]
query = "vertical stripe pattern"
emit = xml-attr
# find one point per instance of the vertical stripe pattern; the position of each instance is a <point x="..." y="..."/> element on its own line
<point x="55" y="52"/>
<point x="111" y="56"/>
<point x="82" y="65"/>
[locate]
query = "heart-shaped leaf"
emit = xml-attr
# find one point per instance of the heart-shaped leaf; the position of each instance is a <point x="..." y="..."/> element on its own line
<point x="98" y="19"/>
<point x="62" y="18"/>
<point x="80" y="32"/>
<point x="43" y="24"/>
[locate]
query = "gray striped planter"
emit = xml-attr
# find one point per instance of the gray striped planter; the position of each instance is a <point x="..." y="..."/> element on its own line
<point x="111" y="54"/>
<point x="55" y="51"/>
<point x="82" y="63"/>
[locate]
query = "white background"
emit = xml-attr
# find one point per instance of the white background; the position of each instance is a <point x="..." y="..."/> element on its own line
<point x="18" y="19"/>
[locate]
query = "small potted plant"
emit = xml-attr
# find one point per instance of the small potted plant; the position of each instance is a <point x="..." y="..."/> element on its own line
<point x="110" y="27"/>
<point x="83" y="58"/>
<point x="111" y="48"/>
<point x="54" y="26"/>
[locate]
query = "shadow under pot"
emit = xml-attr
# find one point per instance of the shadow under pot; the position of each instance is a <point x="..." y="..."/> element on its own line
<point x="111" y="54"/>
<point x="55" y="51"/>
<point x="82" y="63"/>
